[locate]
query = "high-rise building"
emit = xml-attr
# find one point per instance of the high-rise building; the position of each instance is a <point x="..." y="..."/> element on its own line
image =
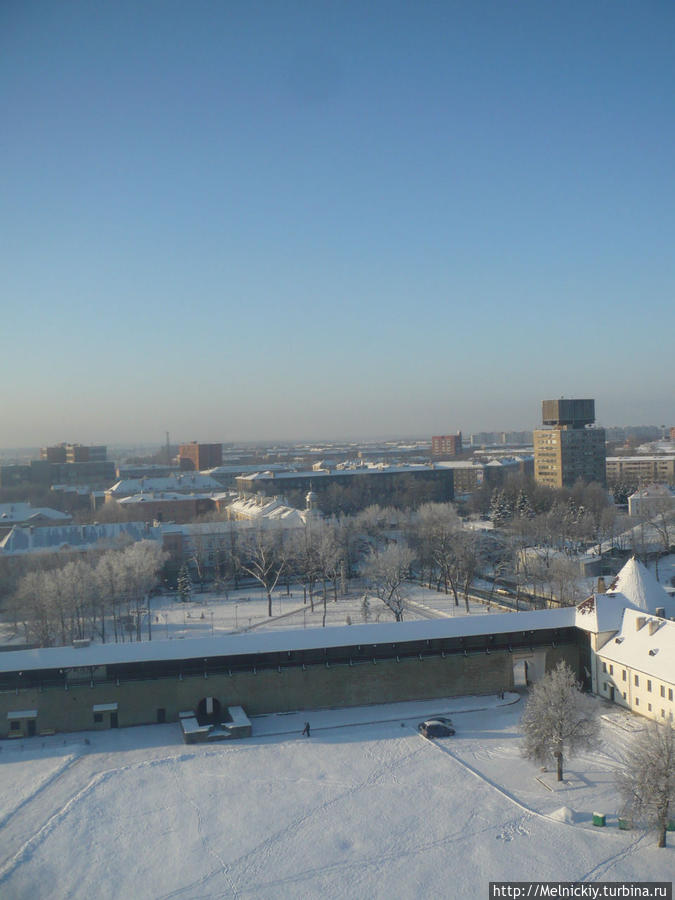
<point x="446" y="445"/>
<point x="570" y="450"/>
<point x="196" y="456"/>
<point x="74" y="453"/>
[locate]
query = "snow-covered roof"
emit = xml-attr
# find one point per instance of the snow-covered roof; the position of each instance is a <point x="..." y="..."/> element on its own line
<point x="654" y="491"/>
<point x="281" y="641"/>
<point x="51" y="538"/>
<point x="161" y="497"/>
<point x="185" y="482"/>
<point x="645" y="643"/>
<point x="15" y="513"/>
<point x="641" y="589"/>
<point x="601" y="613"/>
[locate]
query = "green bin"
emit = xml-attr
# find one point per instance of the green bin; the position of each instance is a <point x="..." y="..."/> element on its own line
<point x="624" y="825"/>
<point x="599" y="819"/>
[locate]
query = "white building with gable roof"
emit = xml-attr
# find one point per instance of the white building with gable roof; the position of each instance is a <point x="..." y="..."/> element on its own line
<point x="632" y="640"/>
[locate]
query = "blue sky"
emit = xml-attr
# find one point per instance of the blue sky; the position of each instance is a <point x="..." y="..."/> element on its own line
<point x="284" y="220"/>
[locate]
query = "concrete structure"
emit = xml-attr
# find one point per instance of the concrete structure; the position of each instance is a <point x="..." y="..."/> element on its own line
<point x="167" y="506"/>
<point x="382" y="481"/>
<point x="569" y="451"/>
<point x="641" y="470"/>
<point x="111" y="685"/>
<point x="74" y="453"/>
<point x="446" y="446"/>
<point x="196" y="456"/>
<point x="651" y="501"/>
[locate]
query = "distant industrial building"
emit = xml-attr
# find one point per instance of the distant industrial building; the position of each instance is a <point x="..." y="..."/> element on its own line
<point x="197" y="457"/>
<point x="569" y="450"/>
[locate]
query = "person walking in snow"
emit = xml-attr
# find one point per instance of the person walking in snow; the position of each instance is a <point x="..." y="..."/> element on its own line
<point x="305" y="730"/>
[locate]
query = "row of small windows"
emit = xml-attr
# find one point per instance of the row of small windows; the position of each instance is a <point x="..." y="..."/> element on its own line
<point x="636" y="681"/>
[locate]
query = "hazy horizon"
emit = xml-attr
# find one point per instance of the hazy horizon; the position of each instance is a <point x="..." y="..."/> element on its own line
<point x="231" y="221"/>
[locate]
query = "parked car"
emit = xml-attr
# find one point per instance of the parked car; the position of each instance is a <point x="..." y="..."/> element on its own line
<point x="434" y="728"/>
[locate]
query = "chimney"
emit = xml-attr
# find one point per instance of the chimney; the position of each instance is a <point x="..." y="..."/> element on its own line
<point x="640" y="622"/>
<point x="654" y="625"/>
<point x="660" y="611"/>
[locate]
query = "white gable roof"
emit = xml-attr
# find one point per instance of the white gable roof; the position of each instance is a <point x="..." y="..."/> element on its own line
<point x="641" y="588"/>
<point x="649" y="648"/>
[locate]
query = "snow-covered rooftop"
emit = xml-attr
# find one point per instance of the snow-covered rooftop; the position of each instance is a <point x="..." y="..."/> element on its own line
<point x="185" y="482"/>
<point x="645" y="643"/>
<point x="275" y="641"/>
<point x="15" y="513"/>
<point x="641" y="589"/>
<point x="51" y="538"/>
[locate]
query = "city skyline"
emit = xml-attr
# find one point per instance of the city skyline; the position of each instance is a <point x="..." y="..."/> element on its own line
<point x="248" y="223"/>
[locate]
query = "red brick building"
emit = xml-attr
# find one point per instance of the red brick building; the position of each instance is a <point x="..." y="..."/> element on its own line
<point x="446" y="445"/>
<point x="196" y="456"/>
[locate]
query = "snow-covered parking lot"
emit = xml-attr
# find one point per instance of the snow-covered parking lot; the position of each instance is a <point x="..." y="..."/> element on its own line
<point x="363" y="808"/>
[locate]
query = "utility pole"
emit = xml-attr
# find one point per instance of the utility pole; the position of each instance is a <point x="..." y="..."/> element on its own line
<point x="168" y="450"/>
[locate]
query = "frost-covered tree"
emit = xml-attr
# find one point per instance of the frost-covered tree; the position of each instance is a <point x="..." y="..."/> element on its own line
<point x="646" y="780"/>
<point x="558" y="719"/>
<point x="386" y="573"/>
<point x="184" y="584"/>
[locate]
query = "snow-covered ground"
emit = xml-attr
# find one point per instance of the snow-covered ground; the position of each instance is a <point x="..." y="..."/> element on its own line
<point x="246" y="608"/>
<point x="363" y="808"/>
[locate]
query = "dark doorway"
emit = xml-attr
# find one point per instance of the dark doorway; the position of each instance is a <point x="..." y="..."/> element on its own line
<point x="611" y="693"/>
<point x="31" y="728"/>
<point x="208" y="711"/>
<point x="161" y="716"/>
<point x="113" y="720"/>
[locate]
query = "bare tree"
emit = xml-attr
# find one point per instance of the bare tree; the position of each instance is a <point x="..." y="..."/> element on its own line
<point x="386" y="573"/>
<point x="646" y="780"/>
<point x="264" y="558"/>
<point x="558" y="719"/>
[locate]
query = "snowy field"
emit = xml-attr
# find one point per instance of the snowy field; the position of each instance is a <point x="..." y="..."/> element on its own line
<point x="246" y="609"/>
<point x="363" y="808"/>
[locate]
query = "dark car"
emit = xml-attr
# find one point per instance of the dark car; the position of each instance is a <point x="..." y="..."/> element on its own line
<point x="435" y="728"/>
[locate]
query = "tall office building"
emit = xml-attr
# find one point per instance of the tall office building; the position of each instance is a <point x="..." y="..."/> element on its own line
<point x="569" y="450"/>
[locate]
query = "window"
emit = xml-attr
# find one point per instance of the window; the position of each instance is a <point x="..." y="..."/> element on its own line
<point x="670" y="693"/>
<point x="98" y="717"/>
<point x="611" y="669"/>
<point x="637" y="701"/>
<point x="649" y="707"/>
<point x="663" y="713"/>
<point x="624" y="695"/>
<point x="637" y="680"/>
<point x="623" y="675"/>
<point x="649" y="685"/>
<point x="604" y="667"/>
<point x="663" y="690"/>
<point x="15" y="726"/>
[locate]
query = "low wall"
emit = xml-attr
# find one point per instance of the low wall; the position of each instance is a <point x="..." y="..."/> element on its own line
<point x="293" y="688"/>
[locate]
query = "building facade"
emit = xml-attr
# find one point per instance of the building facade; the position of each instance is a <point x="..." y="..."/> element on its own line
<point x="198" y="456"/>
<point x="641" y="470"/>
<point x="447" y="446"/>
<point x="569" y="450"/>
